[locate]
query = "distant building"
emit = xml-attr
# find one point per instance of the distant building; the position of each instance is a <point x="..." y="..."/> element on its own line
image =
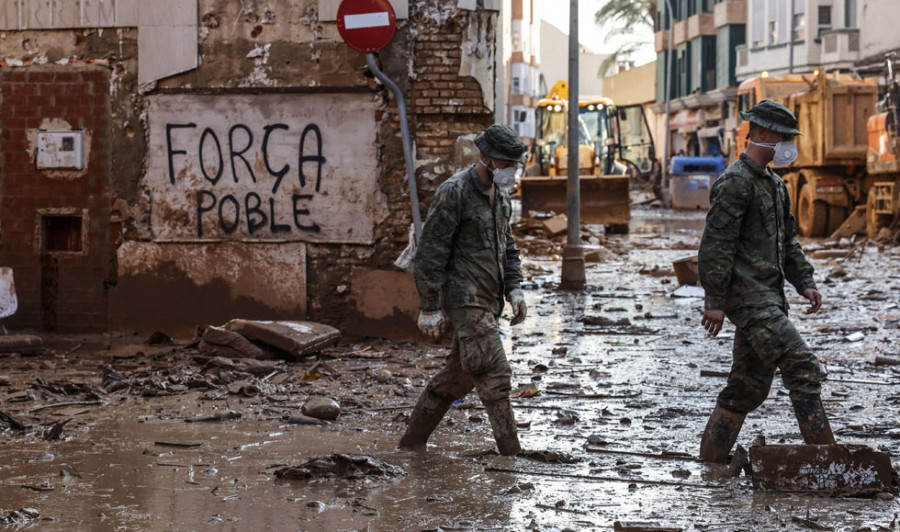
<point x="825" y="35"/>
<point x="704" y="87"/>
<point x="555" y="62"/>
<point x="518" y="73"/>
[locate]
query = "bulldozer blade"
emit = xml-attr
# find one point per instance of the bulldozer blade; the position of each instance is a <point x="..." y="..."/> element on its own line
<point x="604" y="199"/>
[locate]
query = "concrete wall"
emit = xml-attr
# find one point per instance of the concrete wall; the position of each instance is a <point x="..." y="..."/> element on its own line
<point x="878" y="25"/>
<point x="249" y="186"/>
<point x="555" y="62"/>
<point x="636" y="85"/>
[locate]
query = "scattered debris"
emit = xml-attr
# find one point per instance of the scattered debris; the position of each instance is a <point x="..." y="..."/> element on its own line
<point x="832" y="469"/>
<point x="886" y="361"/>
<point x="221" y="416"/>
<point x="18" y="517"/>
<point x="855" y="337"/>
<point x="13" y="423"/>
<point x="301" y="420"/>
<point x="160" y="338"/>
<point x="740" y="461"/>
<point x="687" y="270"/>
<point x="220" y="342"/>
<point x="341" y="466"/>
<point x="322" y="408"/>
<point x="55" y="432"/>
<point x="830" y="254"/>
<point x="520" y="488"/>
<point x="689" y="291"/>
<point x="549" y="457"/>
<point x="602" y="321"/>
<point x="653" y="526"/>
<point x="556" y="225"/>
<point x="185" y="445"/>
<point x="21" y="343"/>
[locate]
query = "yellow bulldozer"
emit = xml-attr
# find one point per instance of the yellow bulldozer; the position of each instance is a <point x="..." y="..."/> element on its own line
<point x="614" y="145"/>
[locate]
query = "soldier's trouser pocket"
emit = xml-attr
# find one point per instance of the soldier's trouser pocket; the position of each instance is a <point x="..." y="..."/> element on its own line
<point x="480" y="349"/>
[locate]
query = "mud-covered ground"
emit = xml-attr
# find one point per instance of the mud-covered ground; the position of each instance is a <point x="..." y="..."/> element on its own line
<point x="104" y="443"/>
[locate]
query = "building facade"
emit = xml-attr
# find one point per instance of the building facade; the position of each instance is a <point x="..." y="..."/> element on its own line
<point x="518" y="67"/>
<point x="703" y="95"/>
<point x="177" y="163"/>
<point x="801" y="36"/>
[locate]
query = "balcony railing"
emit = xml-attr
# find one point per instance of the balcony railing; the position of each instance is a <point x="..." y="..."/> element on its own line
<point x="680" y="35"/>
<point x="661" y="41"/>
<point x="839" y="46"/>
<point x="701" y="24"/>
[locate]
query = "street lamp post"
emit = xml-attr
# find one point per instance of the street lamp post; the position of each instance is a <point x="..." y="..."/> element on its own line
<point x="573" y="275"/>
<point x="668" y="89"/>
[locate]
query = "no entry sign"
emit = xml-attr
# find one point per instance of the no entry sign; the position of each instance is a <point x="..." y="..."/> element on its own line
<point x="366" y="25"/>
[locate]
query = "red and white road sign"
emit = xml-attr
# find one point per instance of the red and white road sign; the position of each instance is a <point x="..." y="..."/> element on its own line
<point x="366" y="25"/>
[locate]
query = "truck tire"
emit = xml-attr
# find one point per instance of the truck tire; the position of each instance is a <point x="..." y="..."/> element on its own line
<point x="812" y="215"/>
<point x="874" y="222"/>
<point x="836" y="216"/>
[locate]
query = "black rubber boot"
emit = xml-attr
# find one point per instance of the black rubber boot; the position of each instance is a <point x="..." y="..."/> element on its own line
<point x="504" y="425"/>
<point x="721" y="432"/>
<point x="813" y="422"/>
<point x="425" y="417"/>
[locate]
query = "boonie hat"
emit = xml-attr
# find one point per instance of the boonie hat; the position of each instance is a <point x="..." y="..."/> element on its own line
<point x="500" y="142"/>
<point x="772" y="116"/>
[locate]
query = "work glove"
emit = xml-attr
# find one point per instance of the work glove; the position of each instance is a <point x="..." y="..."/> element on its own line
<point x="517" y="300"/>
<point x="432" y="323"/>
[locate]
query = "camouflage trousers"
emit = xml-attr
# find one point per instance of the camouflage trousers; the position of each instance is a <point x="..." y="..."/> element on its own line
<point x="476" y="359"/>
<point x="766" y="339"/>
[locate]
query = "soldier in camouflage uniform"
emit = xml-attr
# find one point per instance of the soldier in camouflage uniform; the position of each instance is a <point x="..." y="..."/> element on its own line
<point x="747" y="253"/>
<point x="466" y="262"/>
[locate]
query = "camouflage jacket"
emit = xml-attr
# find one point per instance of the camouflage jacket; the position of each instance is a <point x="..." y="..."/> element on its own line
<point x="467" y="256"/>
<point x="749" y="247"/>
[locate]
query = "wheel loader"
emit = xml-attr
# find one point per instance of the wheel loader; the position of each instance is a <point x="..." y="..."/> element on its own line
<point x="614" y="145"/>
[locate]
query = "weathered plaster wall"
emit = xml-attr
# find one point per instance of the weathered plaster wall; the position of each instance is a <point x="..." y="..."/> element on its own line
<point x="265" y="63"/>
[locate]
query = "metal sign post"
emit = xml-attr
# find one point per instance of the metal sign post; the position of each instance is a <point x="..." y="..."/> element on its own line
<point x="368" y="26"/>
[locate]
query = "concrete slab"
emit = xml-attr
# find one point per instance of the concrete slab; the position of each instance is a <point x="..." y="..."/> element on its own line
<point x="297" y="338"/>
<point x="832" y="469"/>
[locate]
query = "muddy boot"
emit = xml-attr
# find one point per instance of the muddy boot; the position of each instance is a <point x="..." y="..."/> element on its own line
<point x="504" y="424"/>
<point x="720" y="434"/>
<point x="428" y="412"/>
<point x="813" y="422"/>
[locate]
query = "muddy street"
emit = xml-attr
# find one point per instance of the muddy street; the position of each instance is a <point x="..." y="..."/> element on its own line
<point x="612" y="388"/>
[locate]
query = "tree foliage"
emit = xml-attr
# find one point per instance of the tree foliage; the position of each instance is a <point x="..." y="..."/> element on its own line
<point x="619" y="18"/>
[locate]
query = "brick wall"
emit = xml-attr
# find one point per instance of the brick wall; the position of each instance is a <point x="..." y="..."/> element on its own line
<point x="445" y="104"/>
<point x="57" y="291"/>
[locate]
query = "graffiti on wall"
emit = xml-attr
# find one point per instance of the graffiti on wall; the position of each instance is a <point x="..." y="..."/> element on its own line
<point x="263" y="167"/>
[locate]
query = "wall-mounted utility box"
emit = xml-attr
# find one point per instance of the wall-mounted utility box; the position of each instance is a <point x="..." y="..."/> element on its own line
<point x="60" y="150"/>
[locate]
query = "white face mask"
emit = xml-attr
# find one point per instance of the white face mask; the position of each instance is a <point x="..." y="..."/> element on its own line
<point x="502" y="177"/>
<point x="785" y="151"/>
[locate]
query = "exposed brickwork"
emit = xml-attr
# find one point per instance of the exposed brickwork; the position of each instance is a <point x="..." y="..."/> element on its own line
<point x="64" y="292"/>
<point x="439" y="93"/>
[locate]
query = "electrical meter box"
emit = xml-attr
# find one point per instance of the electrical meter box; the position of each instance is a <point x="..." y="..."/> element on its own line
<point x="60" y="150"/>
